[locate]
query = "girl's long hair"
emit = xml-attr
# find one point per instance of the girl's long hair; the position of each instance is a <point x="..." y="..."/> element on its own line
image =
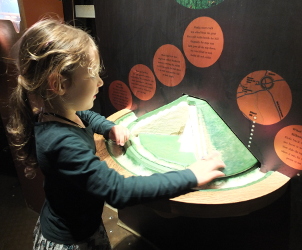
<point x="47" y="48"/>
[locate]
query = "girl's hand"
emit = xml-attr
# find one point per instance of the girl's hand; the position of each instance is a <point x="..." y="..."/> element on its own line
<point x="119" y="134"/>
<point x="207" y="169"/>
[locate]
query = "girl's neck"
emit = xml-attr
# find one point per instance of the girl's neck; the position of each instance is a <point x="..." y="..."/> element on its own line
<point x="61" y="115"/>
<point x="56" y="106"/>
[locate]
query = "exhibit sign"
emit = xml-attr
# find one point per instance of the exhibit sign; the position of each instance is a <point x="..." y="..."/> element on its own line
<point x="242" y="57"/>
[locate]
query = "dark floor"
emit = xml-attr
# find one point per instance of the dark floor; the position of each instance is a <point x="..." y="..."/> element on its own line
<point x="17" y="221"/>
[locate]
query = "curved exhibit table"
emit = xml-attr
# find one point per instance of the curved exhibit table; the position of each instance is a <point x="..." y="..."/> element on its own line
<point x="210" y="203"/>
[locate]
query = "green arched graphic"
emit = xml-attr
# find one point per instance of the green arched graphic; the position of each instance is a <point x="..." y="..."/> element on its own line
<point x="199" y="4"/>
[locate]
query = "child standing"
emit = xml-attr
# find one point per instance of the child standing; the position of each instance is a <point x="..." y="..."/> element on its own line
<point x="53" y="128"/>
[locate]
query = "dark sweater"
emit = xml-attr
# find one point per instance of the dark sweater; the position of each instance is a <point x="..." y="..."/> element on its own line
<point x="77" y="182"/>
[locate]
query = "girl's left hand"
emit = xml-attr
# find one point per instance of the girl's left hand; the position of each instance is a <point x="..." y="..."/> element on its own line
<point x="119" y="134"/>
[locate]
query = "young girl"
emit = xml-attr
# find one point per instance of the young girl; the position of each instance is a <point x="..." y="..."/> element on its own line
<point x="52" y="128"/>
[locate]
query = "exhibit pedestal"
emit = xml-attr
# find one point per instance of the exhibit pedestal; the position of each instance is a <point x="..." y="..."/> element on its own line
<point x="266" y="228"/>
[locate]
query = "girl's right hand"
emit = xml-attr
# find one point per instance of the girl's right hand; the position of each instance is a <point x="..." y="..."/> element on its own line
<point x="119" y="134"/>
<point x="207" y="169"/>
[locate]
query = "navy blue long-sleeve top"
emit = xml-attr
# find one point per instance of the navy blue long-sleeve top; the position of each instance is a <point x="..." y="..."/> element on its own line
<point x="77" y="182"/>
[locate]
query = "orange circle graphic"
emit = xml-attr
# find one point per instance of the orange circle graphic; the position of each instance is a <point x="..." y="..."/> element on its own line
<point x="120" y="95"/>
<point x="169" y="65"/>
<point x="264" y="97"/>
<point x="203" y="42"/>
<point x="142" y="82"/>
<point x="288" y="146"/>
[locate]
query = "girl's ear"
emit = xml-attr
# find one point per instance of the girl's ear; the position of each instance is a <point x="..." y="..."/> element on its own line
<point x="57" y="83"/>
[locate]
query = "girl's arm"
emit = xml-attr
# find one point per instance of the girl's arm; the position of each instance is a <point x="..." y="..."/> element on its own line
<point x="110" y="130"/>
<point x="99" y="123"/>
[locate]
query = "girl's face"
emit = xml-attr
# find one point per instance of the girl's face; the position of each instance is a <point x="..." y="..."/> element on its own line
<point x="84" y="86"/>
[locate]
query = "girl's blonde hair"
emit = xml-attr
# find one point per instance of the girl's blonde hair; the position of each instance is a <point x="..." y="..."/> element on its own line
<point x="48" y="48"/>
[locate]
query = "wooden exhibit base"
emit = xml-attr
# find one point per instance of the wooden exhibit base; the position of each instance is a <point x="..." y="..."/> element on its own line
<point x="208" y="203"/>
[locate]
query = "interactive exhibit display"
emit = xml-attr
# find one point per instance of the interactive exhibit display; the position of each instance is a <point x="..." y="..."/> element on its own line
<point x="190" y="76"/>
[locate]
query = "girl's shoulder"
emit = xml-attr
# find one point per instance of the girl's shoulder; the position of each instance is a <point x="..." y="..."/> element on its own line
<point x="56" y="136"/>
<point x="54" y="130"/>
